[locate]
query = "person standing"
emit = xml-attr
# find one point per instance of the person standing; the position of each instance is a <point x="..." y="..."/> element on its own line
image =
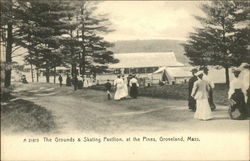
<point x="60" y="80"/>
<point x="75" y="82"/>
<point x="237" y="98"/>
<point x="68" y="80"/>
<point x="200" y="92"/>
<point x="108" y="89"/>
<point x="119" y="85"/>
<point x="133" y="83"/>
<point x="191" y="100"/>
<point x="24" y="80"/>
<point x="211" y="84"/>
<point x="245" y="77"/>
<point x="125" y="87"/>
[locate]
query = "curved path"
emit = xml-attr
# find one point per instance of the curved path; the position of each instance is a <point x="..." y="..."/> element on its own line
<point x="89" y="111"/>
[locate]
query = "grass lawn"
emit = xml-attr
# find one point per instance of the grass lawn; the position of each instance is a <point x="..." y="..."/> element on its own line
<point x="179" y="91"/>
<point x="20" y="115"/>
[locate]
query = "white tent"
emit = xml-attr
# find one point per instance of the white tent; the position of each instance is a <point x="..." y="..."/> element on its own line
<point x="175" y="74"/>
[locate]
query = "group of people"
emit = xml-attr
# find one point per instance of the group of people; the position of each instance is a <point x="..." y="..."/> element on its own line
<point x="121" y="85"/>
<point x="239" y="93"/>
<point x="69" y="81"/>
<point x="201" y="94"/>
<point x="76" y="81"/>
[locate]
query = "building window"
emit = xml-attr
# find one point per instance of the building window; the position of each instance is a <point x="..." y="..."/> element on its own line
<point x="141" y="70"/>
<point x="149" y="70"/>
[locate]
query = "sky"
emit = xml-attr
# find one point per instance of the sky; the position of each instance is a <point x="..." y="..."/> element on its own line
<point x="139" y="20"/>
<point x="143" y="20"/>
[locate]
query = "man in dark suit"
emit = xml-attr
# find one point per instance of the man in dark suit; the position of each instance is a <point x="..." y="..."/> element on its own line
<point x="108" y="89"/>
<point x="191" y="100"/>
<point x="60" y="80"/>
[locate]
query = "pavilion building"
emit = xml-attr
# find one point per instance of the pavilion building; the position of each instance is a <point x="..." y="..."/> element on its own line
<point x="142" y="64"/>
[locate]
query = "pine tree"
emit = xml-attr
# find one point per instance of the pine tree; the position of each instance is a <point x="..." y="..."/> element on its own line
<point x="84" y="47"/>
<point x="95" y="50"/>
<point x="42" y="28"/>
<point x="220" y="41"/>
<point x="8" y="26"/>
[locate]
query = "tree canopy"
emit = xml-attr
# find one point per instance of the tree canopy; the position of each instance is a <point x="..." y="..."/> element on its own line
<point x="58" y="33"/>
<point x="223" y="39"/>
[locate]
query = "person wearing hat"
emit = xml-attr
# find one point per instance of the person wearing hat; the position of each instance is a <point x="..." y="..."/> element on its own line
<point x="119" y="85"/>
<point x="236" y="97"/>
<point x="108" y="89"/>
<point x="191" y="100"/>
<point x="125" y="87"/>
<point x="245" y="77"/>
<point x="211" y="84"/>
<point x="133" y="83"/>
<point x="200" y="93"/>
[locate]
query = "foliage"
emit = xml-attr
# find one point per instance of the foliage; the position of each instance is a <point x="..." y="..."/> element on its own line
<point x="41" y="29"/>
<point x="88" y="48"/>
<point x="58" y="33"/>
<point x="223" y="38"/>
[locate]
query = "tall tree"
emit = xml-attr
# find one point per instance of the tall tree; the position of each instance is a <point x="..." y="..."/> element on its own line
<point x="84" y="45"/>
<point x="223" y="38"/>
<point x="42" y="28"/>
<point x="7" y="26"/>
<point x="95" y="51"/>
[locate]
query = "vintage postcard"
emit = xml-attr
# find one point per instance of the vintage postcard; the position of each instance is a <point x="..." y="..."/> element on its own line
<point x="124" y="80"/>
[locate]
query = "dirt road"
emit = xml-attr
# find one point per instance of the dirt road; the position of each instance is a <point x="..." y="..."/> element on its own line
<point x="89" y="111"/>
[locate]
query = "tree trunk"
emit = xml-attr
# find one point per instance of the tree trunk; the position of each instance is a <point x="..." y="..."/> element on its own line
<point x="54" y="75"/>
<point x="32" y="74"/>
<point x="227" y="76"/>
<point x="80" y="64"/>
<point x="74" y="76"/>
<point x="47" y="75"/>
<point x="7" y="81"/>
<point x="37" y="75"/>
<point x="83" y="46"/>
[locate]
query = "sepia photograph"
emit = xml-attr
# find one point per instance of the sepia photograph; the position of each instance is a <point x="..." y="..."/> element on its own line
<point x="125" y="80"/>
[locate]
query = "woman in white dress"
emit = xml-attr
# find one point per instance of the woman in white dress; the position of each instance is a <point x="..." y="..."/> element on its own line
<point x="119" y="85"/>
<point x="125" y="86"/>
<point x="200" y="92"/>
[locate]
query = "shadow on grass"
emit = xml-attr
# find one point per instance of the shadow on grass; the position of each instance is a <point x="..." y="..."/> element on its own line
<point x="23" y="116"/>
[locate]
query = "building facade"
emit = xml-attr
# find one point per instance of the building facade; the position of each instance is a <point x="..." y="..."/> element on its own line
<point x="141" y="64"/>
